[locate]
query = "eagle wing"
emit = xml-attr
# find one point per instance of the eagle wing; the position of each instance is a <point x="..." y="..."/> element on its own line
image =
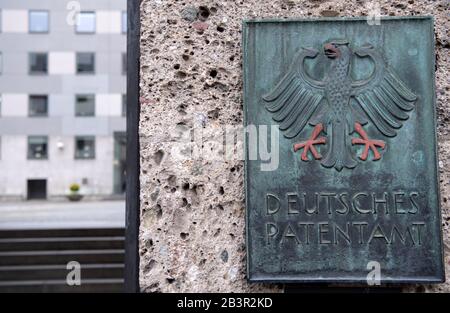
<point x="296" y="97"/>
<point x="384" y="98"/>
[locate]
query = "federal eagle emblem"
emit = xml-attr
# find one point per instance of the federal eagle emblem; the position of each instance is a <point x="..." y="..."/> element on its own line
<point x="298" y="100"/>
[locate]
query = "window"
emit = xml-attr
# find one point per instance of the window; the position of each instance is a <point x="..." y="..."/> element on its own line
<point x="37" y="147"/>
<point x="38" y="105"/>
<point x="38" y="21"/>
<point x="85" y="105"/>
<point x="1" y="63"/>
<point x="124" y="105"/>
<point x="84" y="147"/>
<point x="38" y="63"/>
<point x="124" y="63"/>
<point x="85" y="63"/>
<point x="85" y="22"/>
<point x="124" y="22"/>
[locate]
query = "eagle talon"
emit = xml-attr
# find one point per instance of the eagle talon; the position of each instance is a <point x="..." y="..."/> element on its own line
<point x="368" y="144"/>
<point x="308" y="145"/>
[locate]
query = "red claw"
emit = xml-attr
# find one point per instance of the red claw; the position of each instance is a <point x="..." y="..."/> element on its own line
<point x="308" y="145"/>
<point x="368" y="144"/>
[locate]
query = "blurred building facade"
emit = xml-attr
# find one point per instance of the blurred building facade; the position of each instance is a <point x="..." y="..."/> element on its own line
<point x="62" y="91"/>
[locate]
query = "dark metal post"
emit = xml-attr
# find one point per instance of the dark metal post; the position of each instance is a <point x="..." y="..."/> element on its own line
<point x="132" y="167"/>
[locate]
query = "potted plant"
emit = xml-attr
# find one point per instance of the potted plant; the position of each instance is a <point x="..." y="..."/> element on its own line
<point x="74" y="194"/>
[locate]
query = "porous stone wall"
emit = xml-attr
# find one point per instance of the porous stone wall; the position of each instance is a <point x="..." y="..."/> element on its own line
<point x="192" y="235"/>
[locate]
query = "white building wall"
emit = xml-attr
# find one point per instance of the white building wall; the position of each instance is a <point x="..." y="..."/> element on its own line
<point x="14" y="105"/>
<point x="61" y="84"/>
<point x="108" y="22"/>
<point x="14" y="21"/>
<point x="108" y="105"/>
<point x="12" y="164"/>
<point x="98" y="172"/>
<point x="61" y="169"/>
<point x="61" y="63"/>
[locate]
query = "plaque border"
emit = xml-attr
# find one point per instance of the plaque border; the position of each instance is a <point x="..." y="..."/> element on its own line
<point x="253" y="278"/>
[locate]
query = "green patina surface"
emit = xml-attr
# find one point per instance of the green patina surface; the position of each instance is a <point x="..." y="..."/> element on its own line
<point x="314" y="221"/>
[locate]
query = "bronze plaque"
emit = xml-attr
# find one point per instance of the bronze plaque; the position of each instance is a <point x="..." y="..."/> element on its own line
<point x="341" y="162"/>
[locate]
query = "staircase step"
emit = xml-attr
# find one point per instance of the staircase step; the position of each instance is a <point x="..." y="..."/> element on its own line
<point x="61" y="243"/>
<point x="36" y="260"/>
<point x="81" y="232"/>
<point x="88" y="285"/>
<point x="55" y="272"/>
<point x="61" y="257"/>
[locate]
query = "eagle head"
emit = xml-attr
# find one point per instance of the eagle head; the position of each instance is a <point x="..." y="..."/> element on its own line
<point x="335" y="49"/>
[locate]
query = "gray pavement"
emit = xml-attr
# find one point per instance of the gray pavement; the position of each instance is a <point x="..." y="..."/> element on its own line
<point x="47" y="214"/>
